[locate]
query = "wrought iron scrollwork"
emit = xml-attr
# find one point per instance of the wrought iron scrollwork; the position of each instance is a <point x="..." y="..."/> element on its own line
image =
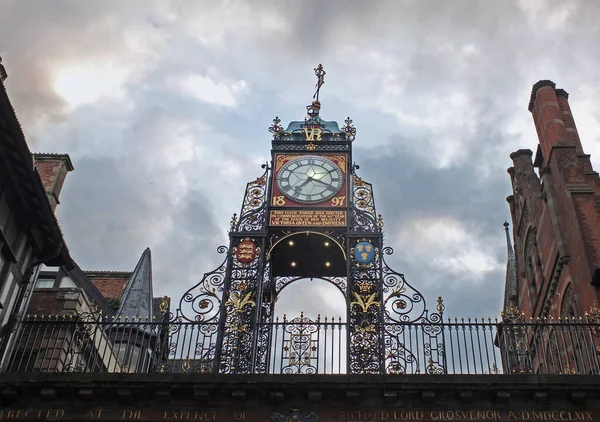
<point x="398" y="359"/>
<point x="363" y="215"/>
<point x="82" y="339"/>
<point x="365" y="321"/>
<point x="405" y="313"/>
<point x="365" y="334"/>
<point x="282" y="282"/>
<point x="237" y="334"/>
<point x="202" y="302"/>
<point x="300" y="346"/>
<point x="240" y="311"/>
<point x="254" y="208"/>
<point x="191" y="348"/>
<point x="513" y="337"/>
<point x="349" y="130"/>
<point x="275" y="237"/>
<point x="299" y="138"/>
<point x="302" y="145"/>
<point x="264" y="328"/>
<point x="403" y="303"/>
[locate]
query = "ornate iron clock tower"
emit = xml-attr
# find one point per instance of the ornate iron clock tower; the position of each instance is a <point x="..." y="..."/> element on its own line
<point x="309" y="216"/>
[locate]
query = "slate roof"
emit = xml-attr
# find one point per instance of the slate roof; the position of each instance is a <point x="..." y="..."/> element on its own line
<point x="93" y="293"/>
<point x="136" y="299"/>
<point x="18" y="174"/>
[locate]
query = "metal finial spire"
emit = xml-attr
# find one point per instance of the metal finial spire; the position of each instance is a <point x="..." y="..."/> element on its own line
<point x="4" y="75"/>
<point x="320" y="74"/>
<point x="511" y="253"/>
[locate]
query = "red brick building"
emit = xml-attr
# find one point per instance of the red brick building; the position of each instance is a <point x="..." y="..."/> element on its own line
<point x="555" y="214"/>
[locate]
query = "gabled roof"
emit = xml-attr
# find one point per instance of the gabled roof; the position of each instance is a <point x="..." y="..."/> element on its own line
<point x="28" y="195"/>
<point x="136" y="300"/>
<point x="89" y="288"/>
<point x="110" y="283"/>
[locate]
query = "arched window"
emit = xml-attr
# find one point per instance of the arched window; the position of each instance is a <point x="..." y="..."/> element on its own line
<point x="574" y="350"/>
<point x="532" y="262"/>
<point x="568" y="307"/>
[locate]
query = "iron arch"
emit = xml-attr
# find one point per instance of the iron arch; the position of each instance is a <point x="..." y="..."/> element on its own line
<point x="307" y="254"/>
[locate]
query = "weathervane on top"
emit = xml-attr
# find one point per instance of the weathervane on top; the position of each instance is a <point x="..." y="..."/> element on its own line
<point x="320" y="74"/>
<point x="313" y="109"/>
<point x="313" y="127"/>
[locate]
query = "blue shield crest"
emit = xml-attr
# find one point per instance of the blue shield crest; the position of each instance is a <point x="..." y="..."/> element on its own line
<point x="364" y="252"/>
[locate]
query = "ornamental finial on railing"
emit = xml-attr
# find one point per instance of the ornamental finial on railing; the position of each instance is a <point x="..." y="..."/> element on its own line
<point x="275" y="129"/>
<point x="165" y="302"/>
<point x="513" y="314"/>
<point x="349" y="130"/>
<point x="440" y="305"/>
<point x="233" y="222"/>
<point x="593" y="315"/>
<point x="380" y="222"/>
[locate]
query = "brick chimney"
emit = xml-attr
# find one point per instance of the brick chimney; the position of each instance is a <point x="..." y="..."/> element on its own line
<point x="53" y="169"/>
<point x="553" y="120"/>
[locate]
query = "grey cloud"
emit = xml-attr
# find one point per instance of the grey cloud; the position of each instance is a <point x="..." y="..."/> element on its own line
<point x="103" y="216"/>
<point x="189" y="249"/>
<point x="119" y="199"/>
<point x="36" y="35"/>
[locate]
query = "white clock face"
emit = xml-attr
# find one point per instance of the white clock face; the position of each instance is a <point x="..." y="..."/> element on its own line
<point x="310" y="179"/>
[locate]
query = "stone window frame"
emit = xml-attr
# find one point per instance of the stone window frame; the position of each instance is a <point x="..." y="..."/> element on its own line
<point x="567" y="312"/>
<point x="532" y="265"/>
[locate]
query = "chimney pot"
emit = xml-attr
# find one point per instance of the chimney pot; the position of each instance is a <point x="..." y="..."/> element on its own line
<point x="53" y="169"/>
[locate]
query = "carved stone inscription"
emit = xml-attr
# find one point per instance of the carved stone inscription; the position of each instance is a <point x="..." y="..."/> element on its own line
<point x="257" y="415"/>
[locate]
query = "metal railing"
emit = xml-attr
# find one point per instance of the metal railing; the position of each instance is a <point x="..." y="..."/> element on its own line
<point x="303" y="346"/>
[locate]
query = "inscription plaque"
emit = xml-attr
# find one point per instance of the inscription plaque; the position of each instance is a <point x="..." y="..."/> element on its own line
<point x="311" y="218"/>
<point x="264" y="415"/>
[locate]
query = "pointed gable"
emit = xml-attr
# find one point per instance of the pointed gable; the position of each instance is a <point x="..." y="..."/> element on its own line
<point x="110" y="283"/>
<point x="136" y="299"/>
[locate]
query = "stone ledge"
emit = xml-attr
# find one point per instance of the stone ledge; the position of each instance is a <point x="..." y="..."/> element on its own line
<point x="134" y="389"/>
<point x="579" y="188"/>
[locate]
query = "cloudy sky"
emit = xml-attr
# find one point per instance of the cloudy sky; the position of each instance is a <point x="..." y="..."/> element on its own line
<point x="164" y="107"/>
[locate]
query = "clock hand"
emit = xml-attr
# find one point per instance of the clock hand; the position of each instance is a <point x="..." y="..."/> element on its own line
<point x="321" y="182"/>
<point x="322" y="175"/>
<point x="299" y="187"/>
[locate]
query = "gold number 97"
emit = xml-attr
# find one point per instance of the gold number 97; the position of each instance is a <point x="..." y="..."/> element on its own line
<point x="338" y="201"/>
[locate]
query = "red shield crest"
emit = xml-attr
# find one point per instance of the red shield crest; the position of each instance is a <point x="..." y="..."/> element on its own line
<point x="246" y="252"/>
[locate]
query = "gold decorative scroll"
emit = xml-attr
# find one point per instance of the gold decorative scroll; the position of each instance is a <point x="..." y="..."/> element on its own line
<point x="340" y="160"/>
<point x="282" y="159"/>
